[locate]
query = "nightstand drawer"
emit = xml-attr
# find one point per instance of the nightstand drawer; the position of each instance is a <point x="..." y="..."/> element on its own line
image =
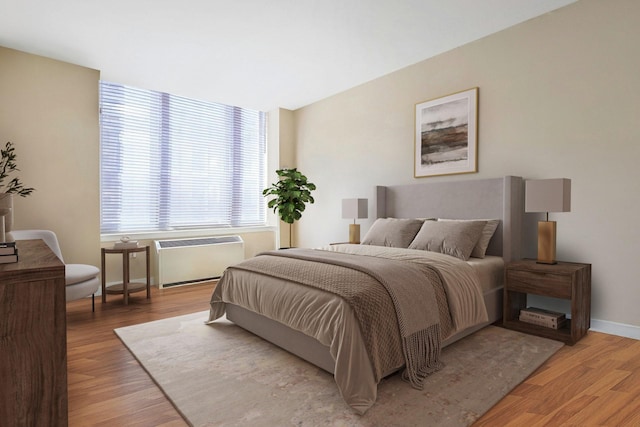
<point x="541" y="283"/>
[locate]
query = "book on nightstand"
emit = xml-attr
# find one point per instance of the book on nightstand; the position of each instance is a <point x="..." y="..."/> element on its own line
<point x="541" y="317"/>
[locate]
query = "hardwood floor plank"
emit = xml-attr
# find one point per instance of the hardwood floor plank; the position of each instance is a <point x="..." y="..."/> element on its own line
<point x="628" y="415"/>
<point x="563" y="389"/>
<point x="633" y="361"/>
<point x="601" y="409"/>
<point x="107" y="386"/>
<point x="598" y="379"/>
<point x="630" y="384"/>
<point x="606" y="383"/>
<point x="558" y="388"/>
<point x="503" y="413"/>
<point x="564" y="413"/>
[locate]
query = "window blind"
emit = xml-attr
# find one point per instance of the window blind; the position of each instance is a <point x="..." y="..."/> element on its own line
<point x="169" y="162"/>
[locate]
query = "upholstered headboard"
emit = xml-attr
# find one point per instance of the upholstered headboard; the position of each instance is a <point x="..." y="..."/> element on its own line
<point x="498" y="198"/>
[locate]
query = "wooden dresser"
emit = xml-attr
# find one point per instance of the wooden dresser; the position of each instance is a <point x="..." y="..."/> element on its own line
<point x="33" y="338"/>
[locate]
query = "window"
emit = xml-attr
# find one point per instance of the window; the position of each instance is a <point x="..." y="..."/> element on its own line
<point x="170" y="163"/>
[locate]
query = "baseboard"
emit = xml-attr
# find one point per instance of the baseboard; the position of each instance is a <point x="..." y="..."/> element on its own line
<point x="614" y="328"/>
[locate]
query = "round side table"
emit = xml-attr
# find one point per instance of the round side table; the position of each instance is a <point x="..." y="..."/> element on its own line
<point x="127" y="286"/>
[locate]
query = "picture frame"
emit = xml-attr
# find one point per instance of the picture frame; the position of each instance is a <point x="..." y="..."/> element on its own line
<point x="446" y="135"/>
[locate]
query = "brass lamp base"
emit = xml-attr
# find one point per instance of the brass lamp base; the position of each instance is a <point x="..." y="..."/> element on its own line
<point x="354" y="233"/>
<point x="547" y="242"/>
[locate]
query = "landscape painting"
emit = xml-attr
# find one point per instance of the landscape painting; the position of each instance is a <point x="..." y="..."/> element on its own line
<point x="446" y="135"/>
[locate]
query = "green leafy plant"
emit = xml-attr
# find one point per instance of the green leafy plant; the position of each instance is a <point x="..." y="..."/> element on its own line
<point x="8" y="166"/>
<point x="292" y="192"/>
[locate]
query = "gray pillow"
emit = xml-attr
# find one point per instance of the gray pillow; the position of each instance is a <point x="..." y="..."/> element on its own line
<point x="480" y="249"/>
<point x="393" y="232"/>
<point x="455" y="238"/>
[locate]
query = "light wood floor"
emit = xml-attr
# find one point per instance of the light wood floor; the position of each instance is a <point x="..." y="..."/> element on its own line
<point x="595" y="382"/>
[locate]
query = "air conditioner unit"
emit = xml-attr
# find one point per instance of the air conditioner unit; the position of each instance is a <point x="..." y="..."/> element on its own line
<point x="186" y="261"/>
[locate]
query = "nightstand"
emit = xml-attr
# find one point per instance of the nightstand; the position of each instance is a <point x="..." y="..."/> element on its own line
<point x="565" y="280"/>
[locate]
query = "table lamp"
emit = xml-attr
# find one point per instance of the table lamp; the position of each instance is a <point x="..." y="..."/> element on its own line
<point x="354" y="208"/>
<point x="547" y="195"/>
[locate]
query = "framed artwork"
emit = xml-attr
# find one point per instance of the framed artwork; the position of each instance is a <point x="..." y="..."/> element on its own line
<point x="446" y="135"/>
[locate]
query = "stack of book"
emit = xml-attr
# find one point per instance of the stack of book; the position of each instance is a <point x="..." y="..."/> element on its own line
<point x="541" y="317"/>
<point x="8" y="252"/>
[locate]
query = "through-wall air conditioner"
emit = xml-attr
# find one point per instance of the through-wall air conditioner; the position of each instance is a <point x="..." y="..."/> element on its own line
<point x="186" y="261"/>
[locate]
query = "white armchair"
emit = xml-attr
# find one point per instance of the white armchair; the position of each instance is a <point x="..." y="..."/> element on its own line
<point x="81" y="279"/>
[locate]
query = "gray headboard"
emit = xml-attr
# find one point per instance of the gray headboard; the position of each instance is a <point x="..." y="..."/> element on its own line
<point x="498" y="198"/>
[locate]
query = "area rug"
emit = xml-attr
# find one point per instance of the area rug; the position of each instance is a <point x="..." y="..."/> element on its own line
<point x="221" y="375"/>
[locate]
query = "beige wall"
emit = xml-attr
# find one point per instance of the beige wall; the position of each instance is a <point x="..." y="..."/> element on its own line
<point x="559" y="96"/>
<point x="49" y="110"/>
<point x="281" y="154"/>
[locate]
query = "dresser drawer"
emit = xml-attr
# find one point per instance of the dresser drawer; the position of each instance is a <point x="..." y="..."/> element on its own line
<point x="541" y="283"/>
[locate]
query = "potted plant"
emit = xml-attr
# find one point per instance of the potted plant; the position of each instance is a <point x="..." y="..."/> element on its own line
<point x="292" y="191"/>
<point x="14" y="186"/>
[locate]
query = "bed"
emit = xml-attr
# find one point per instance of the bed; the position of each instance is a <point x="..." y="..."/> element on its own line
<point x="324" y="330"/>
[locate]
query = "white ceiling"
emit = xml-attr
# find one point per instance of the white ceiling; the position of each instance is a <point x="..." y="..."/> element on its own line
<point x="259" y="54"/>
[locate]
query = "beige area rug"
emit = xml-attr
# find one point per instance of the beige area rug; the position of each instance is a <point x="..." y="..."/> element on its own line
<point x="221" y="375"/>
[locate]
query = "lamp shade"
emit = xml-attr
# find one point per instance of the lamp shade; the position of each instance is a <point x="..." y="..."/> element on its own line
<point x="355" y="208"/>
<point x="548" y="195"/>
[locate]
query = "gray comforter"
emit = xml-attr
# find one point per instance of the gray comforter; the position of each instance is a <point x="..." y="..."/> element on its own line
<point x="320" y="313"/>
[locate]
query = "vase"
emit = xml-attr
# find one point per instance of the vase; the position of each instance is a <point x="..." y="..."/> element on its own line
<point x="6" y="212"/>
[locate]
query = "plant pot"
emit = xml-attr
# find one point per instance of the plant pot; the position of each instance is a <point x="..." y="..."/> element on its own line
<point x="6" y="211"/>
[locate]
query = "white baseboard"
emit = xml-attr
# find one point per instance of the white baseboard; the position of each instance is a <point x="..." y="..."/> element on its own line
<point x="613" y="328"/>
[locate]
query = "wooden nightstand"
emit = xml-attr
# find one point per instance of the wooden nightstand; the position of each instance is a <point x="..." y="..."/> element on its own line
<point x="566" y="280"/>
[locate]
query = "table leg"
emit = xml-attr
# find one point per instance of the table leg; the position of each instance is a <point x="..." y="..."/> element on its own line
<point x="104" y="278"/>
<point x="125" y="276"/>
<point x="148" y="275"/>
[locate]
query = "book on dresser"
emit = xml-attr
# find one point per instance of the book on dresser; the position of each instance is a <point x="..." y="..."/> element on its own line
<point x="542" y="317"/>
<point x="7" y="259"/>
<point x="8" y="253"/>
<point x="8" y="248"/>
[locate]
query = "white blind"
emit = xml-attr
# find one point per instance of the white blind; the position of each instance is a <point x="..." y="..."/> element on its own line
<point x="169" y="162"/>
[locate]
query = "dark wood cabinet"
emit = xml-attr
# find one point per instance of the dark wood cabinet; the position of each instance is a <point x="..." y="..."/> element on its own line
<point x="33" y="338"/>
<point x="565" y="280"/>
